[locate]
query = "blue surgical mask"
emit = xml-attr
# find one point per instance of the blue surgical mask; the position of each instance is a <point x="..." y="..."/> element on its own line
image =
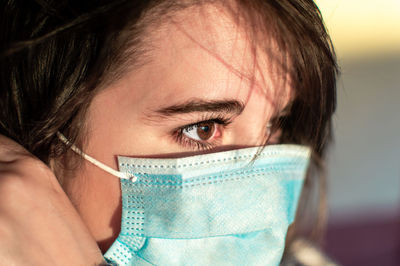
<point x="224" y="208"/>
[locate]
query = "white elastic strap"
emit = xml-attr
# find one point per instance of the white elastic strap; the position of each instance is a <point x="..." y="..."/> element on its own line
<point x="94" y="161"/>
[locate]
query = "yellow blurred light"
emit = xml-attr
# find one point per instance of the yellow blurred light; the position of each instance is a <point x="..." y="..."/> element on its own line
<point x="363" y="27"/>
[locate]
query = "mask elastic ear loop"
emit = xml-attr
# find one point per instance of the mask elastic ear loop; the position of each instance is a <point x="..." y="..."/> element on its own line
<point x="94" y="161"/>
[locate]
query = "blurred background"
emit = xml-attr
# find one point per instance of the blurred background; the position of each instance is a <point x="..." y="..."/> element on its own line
<point x="364" y="163"/>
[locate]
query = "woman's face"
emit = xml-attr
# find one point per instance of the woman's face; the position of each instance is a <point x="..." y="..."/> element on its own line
<point x="200" y="91"/>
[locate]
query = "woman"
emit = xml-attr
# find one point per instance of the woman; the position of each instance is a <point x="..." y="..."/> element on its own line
<point x="157" y="81"/>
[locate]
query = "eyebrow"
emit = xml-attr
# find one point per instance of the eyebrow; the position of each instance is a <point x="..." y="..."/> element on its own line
<point x="222" y="106"/>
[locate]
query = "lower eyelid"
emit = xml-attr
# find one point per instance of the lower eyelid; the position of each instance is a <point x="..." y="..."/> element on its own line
<point x="198" y="145"/>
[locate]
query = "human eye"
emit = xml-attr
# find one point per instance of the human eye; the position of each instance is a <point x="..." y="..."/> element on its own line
<point x="203" y="135"/>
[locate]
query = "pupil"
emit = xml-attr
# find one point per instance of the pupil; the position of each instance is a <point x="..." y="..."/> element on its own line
<point x="205" y="130"/>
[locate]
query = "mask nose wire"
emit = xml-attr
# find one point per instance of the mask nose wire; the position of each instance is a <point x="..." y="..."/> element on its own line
<point x="96" y="162"/>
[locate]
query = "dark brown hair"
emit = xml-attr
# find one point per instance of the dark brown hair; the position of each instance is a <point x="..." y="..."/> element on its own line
<point x="56" y="54"/>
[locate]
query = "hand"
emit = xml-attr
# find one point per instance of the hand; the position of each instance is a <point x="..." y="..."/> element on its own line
<point x="38" y="223"/>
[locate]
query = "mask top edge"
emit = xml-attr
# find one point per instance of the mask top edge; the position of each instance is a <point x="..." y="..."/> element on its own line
<point x="244" y="154"/>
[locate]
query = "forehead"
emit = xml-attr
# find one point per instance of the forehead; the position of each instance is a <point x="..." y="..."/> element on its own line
<point x="204" y="51"/>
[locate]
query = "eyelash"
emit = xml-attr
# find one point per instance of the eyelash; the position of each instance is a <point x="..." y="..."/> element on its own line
<point x="181" y="139"/>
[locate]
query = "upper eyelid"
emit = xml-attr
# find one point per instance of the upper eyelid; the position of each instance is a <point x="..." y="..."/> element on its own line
<point x="223" y="121"/>
<point x="187" y="119"/>
<point x="193" y="108"/>
<point x="199" y="105"/>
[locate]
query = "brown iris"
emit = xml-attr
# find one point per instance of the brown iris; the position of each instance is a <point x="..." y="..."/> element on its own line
<point x="205" y="130"/>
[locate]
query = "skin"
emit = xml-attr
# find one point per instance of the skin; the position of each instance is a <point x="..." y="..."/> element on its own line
<point x="122" y="119"/>
<point x="38" y="223"/>
<point x="192" y="59"/>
